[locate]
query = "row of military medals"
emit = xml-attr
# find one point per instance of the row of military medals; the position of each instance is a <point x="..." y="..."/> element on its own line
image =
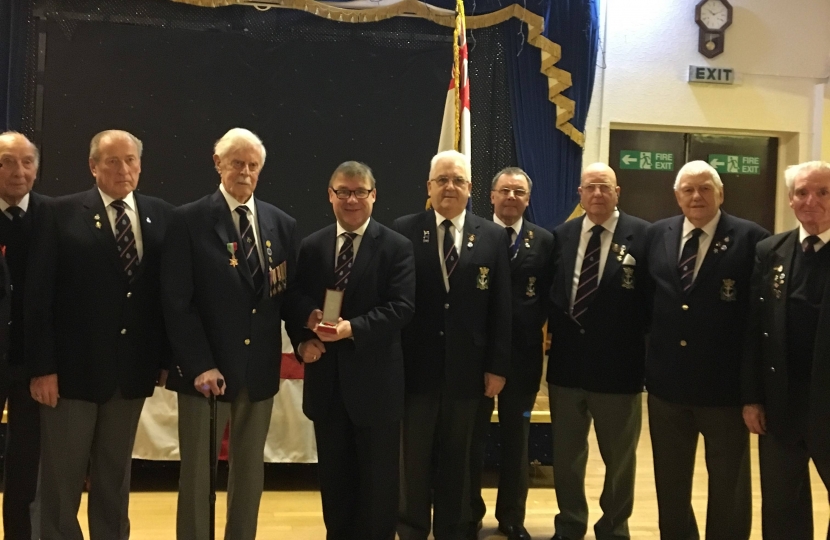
<point x="232" y="246"/>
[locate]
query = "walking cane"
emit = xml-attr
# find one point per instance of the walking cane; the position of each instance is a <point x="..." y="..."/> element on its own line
<point x="213" y="461"/>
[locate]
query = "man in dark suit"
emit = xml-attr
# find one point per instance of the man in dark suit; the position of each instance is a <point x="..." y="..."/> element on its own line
<point x="228" y="274"/>
<point x="95" y="339"/>
<point x="787" y="357"/>
<point x="597" y="356"/>
<point x="531" y="271"/>
<point x="354" y="384"/>
<point x="699" y="267"/>
<point x="456" y="348"/>
<point x="20" y="208"/>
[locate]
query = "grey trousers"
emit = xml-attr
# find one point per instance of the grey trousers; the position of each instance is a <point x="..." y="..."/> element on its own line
<point x="435" y="466"/>
<point x="249" y="424"/>
<point x="617" y="420"/>
<point x="674" y="433"/>
<point x="79" y="435"/>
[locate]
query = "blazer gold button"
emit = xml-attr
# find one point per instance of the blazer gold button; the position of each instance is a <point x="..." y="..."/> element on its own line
<point x="682" y="342"/>
<point x="446" y="306"/>
<point x="772" y="369"/>
<point x="247" y="342"/>
<point x="685" y="307"/>
<point x="123" y="331"/>
<point x="766" y="334"/>
<point x="761" y="299"/>
<point x="441" y="333"/>
<point x="581" y="330"/>
<point x="129" y="294"/>
<point x="253" y="311"/>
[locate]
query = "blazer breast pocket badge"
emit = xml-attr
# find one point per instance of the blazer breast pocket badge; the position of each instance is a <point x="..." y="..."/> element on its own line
<point x="277" y="279"/>
<point x="483" y="281"/>
<point x="530" y="292"/>
<point x="727" y="291"/>
<point x="628" y="277"/>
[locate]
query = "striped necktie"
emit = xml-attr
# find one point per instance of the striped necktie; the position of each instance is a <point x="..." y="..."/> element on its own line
<point x="345" y="260"/>
<point x="688" y="260"/>
<point x="124" y="238"/>
<point x="246" y="234"/>
<point x="450" y="253"/>
<point x="589" y="276"/>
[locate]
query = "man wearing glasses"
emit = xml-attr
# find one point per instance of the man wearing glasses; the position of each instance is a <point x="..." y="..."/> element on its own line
<point x="354" y="382"/>
<point x="531" y="271"/>
<point x="597" y="355"/>
<point x="456" y="349"/>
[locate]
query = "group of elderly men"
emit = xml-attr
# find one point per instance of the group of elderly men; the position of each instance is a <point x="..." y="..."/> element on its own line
<point x="439" y="314"/>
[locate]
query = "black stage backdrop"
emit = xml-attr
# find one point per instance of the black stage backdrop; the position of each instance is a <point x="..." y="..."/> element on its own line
<point x="317" y="92"/>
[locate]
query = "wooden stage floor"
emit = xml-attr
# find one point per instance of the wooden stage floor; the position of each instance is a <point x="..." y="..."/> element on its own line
<point x="296" y="513"/>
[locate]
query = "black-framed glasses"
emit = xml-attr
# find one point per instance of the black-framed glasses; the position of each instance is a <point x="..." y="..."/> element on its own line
<point x="505" y="192"/>
<point x="457" y="181"/>
<point x="359" y="193"/>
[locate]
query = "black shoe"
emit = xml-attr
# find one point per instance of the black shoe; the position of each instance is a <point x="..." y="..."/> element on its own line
<point x="514" y="532"/>
<point x="473" y="530"/>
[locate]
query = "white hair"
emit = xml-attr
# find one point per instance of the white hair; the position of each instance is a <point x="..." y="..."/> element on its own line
<point x="698" y="168"/>
<point x="237" y="138"/>
<point x="95" y="143"/>
<point x="9" y="137"/>
<point x="794" y="171"/>
<point x="454" y="155"/>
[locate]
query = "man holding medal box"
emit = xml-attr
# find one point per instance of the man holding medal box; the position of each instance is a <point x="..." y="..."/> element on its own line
<point x="363" y="276"/>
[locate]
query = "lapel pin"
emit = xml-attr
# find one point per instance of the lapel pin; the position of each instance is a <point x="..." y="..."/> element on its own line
<point x="148" y="220"/>
<point x="426" y="237"/>
<point x="470" y="241"/>
<point x="97" y="224"/>
<point x="268" y="244"/>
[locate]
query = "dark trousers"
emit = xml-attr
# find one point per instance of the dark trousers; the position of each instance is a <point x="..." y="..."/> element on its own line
<point x="787" y="507"/>
<point x="20" y="503"/>
<point x="617" y="420"/>
<point x="435" y="466"/>
<point x="78" y="436"/>
<point x="514" y="428"/>
<point x="358" y="470"/>
<point x="674" y="435"/>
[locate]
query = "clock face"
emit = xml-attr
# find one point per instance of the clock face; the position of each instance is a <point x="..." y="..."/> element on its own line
<point x="714" y="14"/>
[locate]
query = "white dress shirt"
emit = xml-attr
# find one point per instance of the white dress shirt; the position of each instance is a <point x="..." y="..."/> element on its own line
<point x="233" y="204"/>
<point x="457" y="231"/>
<point x="704" y="239"/>
<point x="605" y="238"/>
<point x="338" y="245"/>
<point x="132" y="212"/>
<point x="23" y="205"/>
<point x="823" y="238"/>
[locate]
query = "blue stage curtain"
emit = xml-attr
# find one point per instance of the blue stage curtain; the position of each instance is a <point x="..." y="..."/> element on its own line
<point x="549" y="156"/>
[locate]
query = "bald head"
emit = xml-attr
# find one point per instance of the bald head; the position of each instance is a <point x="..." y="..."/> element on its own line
<point x="18" y="166"/>
<point x="599" y="172"/>
<point x="599" y="192"/>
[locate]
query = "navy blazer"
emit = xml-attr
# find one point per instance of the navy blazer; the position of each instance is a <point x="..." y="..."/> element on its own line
<point x="764" y="375"/>
<point x="531" y="272"/>
<point x="605" y="351"/>
<point x="695" y="346"/>
<point x="379" y="300"/>
<point x="84" y="319"/>
<point x="457" y="336"/>
<point x="214" y="316"/>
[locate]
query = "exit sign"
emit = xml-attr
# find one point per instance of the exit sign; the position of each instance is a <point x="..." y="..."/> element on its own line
<point x="731" y="164"/>
<point x="646" y="161"/>
<point x="703" y="74"/>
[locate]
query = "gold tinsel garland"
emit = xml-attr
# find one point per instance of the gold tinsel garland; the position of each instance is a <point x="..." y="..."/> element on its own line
<point x="558" y="79"/>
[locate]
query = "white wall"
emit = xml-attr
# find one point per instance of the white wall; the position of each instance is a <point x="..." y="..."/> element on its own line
<point x="780" y="51"/>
